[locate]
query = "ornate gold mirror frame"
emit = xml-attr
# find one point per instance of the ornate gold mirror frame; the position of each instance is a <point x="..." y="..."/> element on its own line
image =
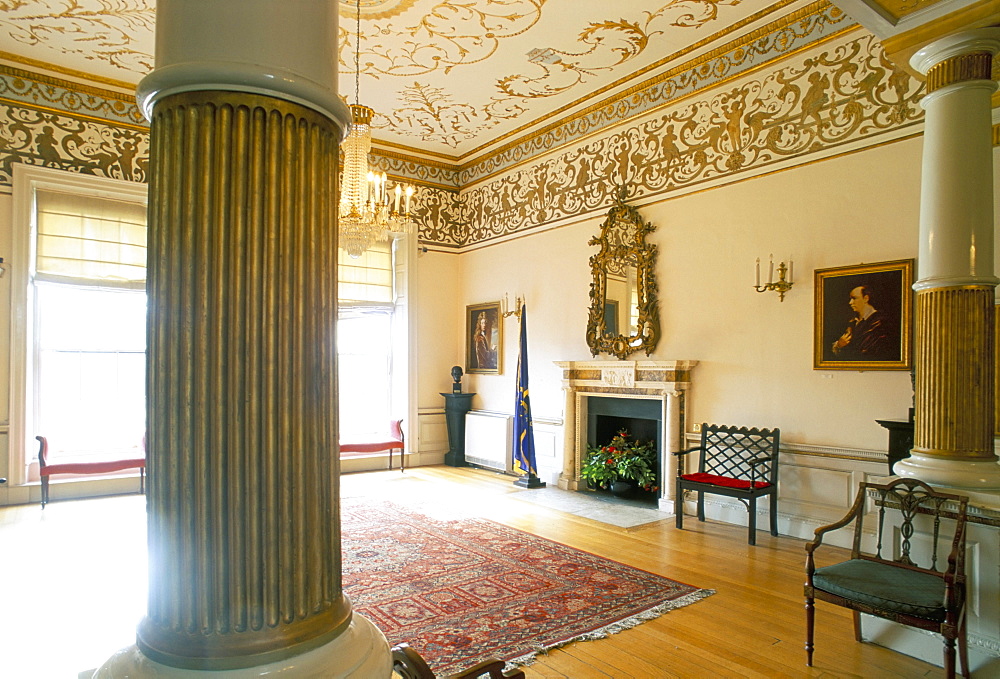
<point x="624" y="315"/>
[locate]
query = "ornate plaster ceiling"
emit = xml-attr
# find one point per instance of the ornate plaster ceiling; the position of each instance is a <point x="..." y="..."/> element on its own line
<point x="445" y="77"/>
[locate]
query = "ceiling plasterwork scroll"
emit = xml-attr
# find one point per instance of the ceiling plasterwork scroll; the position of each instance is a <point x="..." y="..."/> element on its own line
<point x="102" y="31"/>
<point x="453" y="36"/>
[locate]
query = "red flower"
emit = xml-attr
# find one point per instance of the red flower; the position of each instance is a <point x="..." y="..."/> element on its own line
<point x="610" y="461"/>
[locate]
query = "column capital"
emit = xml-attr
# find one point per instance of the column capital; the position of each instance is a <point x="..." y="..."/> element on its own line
<point x="264" y="48"/>
<point x="979" y="44"/>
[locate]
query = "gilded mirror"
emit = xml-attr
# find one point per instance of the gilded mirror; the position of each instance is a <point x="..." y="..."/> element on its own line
<point x="624" y="316"/>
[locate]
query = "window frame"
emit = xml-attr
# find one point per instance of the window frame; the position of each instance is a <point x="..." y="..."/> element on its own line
<point x="28" y="179"/>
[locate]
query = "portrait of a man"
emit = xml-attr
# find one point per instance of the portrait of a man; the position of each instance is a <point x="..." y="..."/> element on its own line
<point x="863" y="317"/>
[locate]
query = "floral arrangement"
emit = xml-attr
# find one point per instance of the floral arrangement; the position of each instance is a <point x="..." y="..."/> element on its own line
<point x="623" y="459"/>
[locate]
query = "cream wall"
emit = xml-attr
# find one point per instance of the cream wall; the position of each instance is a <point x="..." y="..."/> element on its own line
<point x="755" y="352"/>
<point x="5" y="249"/>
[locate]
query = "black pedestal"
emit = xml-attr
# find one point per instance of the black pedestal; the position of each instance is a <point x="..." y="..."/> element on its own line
<point x="455" y="408"/>
<point x="900" y="440"/>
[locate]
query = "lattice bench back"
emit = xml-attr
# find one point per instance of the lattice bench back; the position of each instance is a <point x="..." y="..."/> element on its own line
<point x="731" y="451"/>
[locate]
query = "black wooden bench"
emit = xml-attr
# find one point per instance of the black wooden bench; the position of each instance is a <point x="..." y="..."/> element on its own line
<point x="734" y="462"/>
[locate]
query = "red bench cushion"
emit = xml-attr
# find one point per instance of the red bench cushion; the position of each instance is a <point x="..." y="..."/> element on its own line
<point x="95" y="467"/>
<point x="724" y="481"/>
<point x="370" y="446"/>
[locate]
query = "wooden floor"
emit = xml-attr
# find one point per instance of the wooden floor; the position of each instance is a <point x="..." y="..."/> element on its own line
<point x="75" y="574"/>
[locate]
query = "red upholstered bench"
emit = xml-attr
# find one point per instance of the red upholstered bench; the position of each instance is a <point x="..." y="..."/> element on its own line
<point x="394" y="441"/>
<point x="45" y="470"/>
<point x="734" y="462"/>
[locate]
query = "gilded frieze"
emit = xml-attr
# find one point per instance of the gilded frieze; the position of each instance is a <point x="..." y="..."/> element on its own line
<point x="815" y="103"/>
<point x="793" y="32"/>
<point x="50" y="139"/>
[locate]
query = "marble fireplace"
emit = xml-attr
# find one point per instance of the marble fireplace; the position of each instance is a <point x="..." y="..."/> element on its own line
<point x="665" y="382"/>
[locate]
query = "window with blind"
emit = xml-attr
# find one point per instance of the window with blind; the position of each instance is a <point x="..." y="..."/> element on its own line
<point x="88" y="290"/>
<point x="364" y="346"/>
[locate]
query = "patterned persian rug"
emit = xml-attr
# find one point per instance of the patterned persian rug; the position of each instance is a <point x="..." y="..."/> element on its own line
<point x="467" y="590"/>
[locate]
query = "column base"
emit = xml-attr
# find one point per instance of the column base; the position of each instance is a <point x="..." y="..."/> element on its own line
<point x="970" y="474"/>
<point x="570" y="484"/>
<point x="360" y="652"/>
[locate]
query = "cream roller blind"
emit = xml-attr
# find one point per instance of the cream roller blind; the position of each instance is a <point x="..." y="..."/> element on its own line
<point x="90" y="240"/>
<point x="367" y="280"/>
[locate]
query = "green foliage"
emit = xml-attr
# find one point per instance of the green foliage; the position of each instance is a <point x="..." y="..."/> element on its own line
<point x="621" y="460"/>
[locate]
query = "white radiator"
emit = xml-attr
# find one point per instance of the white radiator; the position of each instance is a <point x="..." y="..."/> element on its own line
<point x="488" y="440"/>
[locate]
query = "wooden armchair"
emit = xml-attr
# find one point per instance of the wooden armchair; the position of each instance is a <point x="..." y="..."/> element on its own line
<point x="408" y="664"/>
<point x="734" y="462"/>
<point x="897" y="589"/>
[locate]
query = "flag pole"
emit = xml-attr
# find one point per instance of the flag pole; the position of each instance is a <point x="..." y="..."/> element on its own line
<point x="524" y="435"/>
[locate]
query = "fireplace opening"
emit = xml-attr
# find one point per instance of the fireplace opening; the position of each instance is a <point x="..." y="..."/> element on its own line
<point x="642" y="418"/>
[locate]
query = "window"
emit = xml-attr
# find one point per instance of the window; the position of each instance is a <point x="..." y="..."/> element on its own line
<point x="368" y="314"/>
<point x="79" y="317"/>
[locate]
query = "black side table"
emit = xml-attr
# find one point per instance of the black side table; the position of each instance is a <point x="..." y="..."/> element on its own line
<point x="455" y="408"/>
<point x="900" y="440"/>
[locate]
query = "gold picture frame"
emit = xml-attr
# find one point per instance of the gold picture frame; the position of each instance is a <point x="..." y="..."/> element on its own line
<point x="484" y="339"/>
<point x="863" y="317"/>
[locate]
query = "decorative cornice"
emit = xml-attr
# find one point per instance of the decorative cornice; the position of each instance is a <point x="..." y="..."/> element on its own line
<point x="815" y="23"/>
<point x="47" y="93"/>
<point x="964" y="67"/>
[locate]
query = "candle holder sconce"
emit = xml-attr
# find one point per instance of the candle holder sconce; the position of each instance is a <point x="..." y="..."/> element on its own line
<point x="784" y="282"/>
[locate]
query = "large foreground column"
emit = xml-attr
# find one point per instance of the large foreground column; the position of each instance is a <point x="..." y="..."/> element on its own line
<point x="244" y="542"/>
<point x="953" y="435"/>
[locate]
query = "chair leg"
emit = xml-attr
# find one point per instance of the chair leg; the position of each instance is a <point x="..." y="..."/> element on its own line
<point x="678" y="505"/>
<point x="774" y="514"/>
<point x="949" y="658"/>
<point x="963" y="647"/>
<point x="45" y="491"/>
<point x="810" y="620"/>
<point x="701" y="506"/>
<point x="857" y="627"/>
<point x="752" y="521"/>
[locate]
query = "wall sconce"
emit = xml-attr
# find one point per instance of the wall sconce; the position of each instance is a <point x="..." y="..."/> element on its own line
<point x="505" y="307"/>
<point x="782" y="285"/>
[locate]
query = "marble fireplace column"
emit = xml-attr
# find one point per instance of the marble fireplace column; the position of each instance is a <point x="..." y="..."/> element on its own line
<point x="243" y="500"/>
<point x="953" y="434"/>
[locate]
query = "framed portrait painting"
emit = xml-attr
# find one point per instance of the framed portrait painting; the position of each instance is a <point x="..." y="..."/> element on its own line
<point x="863" y="317"/>
<point x="483" y="339"/>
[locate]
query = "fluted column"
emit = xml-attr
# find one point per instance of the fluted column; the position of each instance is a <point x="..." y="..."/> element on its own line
<point x="569" y="478"/>
<point x="243" y="506"/>
<point x="953" y="433"/>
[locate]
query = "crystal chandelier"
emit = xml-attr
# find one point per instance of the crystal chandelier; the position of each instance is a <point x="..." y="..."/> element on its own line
<point x="368" y="210"/>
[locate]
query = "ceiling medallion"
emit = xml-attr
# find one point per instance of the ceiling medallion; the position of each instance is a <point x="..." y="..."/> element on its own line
<point x="375" y="9"/>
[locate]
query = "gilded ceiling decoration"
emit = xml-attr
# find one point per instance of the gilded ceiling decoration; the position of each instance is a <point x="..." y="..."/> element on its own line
<point x="445" y="76"/>
<point x="816" y="103"/>
<point x="454" y="36"/>
<point x="96" y="34"/>
<point x="792" y="32"/>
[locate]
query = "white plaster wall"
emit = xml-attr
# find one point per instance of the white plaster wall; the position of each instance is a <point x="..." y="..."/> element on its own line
<point x="755" y="352"/>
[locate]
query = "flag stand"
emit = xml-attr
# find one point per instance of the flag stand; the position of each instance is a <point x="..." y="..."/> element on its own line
<point x="529" y="481"/>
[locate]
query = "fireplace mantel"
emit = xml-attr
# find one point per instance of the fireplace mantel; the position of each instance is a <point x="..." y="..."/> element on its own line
<point x="666" y="381"/>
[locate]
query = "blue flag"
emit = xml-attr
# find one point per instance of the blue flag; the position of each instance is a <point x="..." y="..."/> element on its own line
<point x="524" y="436"/>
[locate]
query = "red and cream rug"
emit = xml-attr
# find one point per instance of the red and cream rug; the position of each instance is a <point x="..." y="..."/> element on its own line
<point x="463" y="591"/>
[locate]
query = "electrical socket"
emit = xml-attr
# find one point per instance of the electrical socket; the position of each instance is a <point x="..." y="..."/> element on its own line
<point x="697" y="428"/>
